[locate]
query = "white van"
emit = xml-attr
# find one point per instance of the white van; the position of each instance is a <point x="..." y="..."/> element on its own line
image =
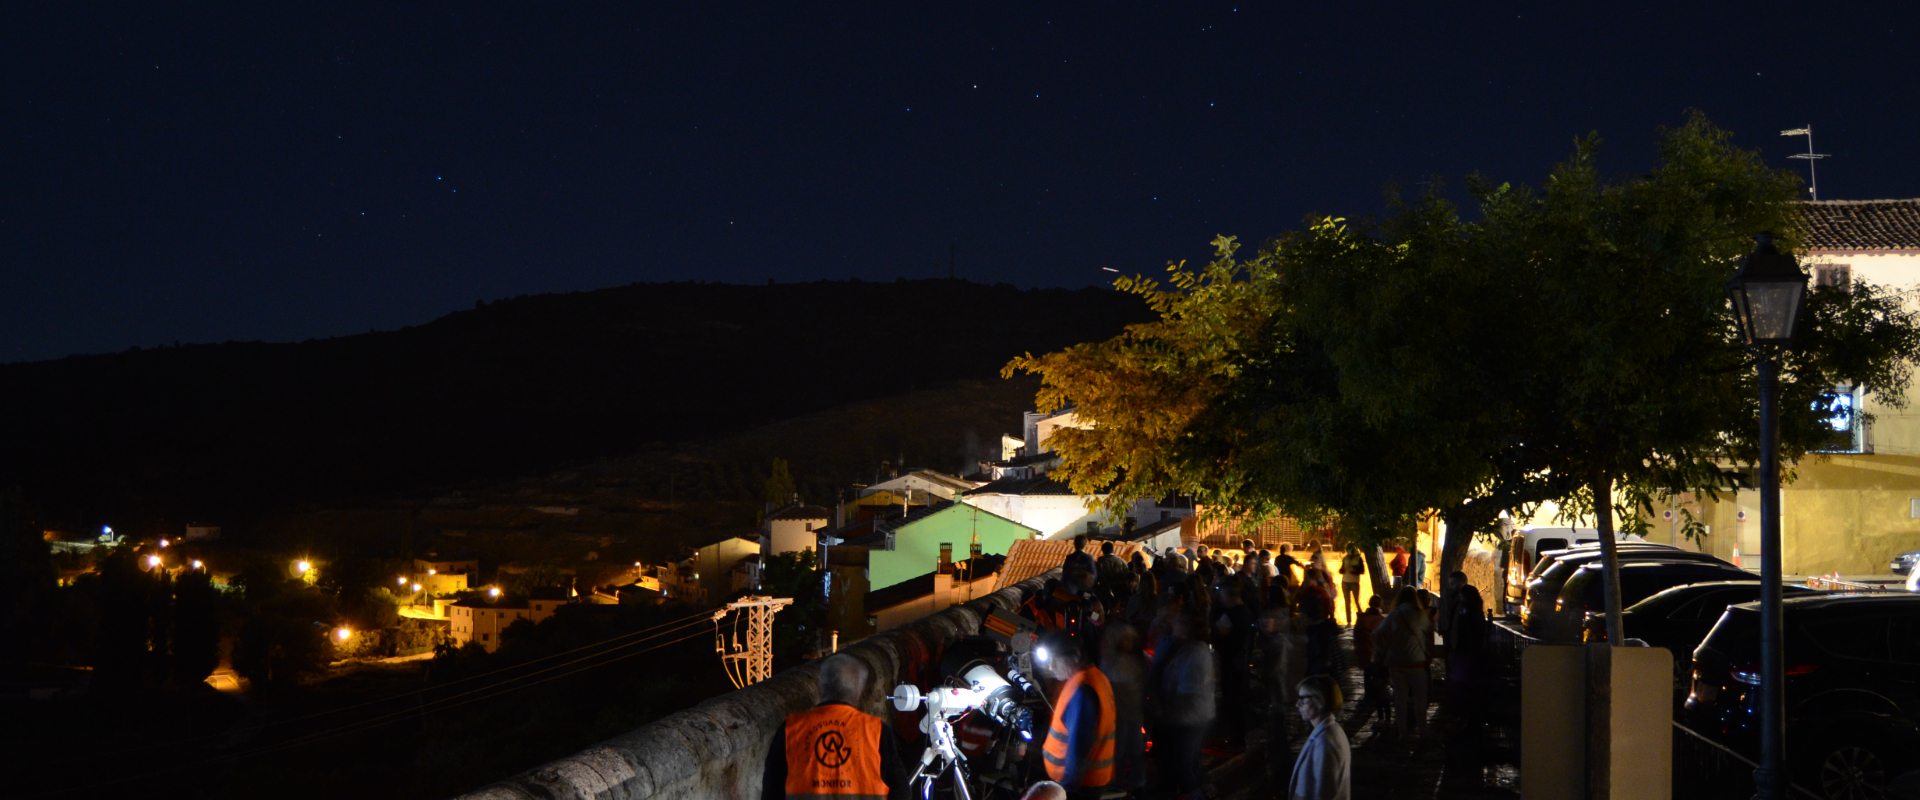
<point x="1524" y="549"/>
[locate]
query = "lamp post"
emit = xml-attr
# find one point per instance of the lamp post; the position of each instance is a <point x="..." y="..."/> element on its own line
<point x="1767" y="295"/>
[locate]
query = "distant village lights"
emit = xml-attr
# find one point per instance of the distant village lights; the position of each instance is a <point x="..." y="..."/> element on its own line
<point x="153" y="561"/>
<point x="302" y="567"/>
<point x="340" y="633"/>
<point x="198" y="565"/>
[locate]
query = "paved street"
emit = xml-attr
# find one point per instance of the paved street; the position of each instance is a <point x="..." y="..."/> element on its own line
<point x="1457" y="760"/>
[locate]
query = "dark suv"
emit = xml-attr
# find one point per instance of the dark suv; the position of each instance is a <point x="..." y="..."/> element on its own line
<point x="1852" y="690"/>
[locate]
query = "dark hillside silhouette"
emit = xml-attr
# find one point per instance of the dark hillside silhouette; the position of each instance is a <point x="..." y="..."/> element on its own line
<point x="223" y="432"/>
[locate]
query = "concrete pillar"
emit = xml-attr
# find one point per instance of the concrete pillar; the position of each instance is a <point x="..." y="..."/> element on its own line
<point x="1596" y="723"/>
<point x="1553" y="722"/>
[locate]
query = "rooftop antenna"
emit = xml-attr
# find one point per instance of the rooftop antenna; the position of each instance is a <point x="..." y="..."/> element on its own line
<point x="1813" y="178"/>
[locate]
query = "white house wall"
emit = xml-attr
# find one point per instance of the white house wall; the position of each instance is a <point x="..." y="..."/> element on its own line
<point x="1058" y="516"/>
<point x="1894" y="431"/>
<point x="790" y="535"/>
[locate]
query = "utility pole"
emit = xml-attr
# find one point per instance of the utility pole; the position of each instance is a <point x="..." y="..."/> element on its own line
<point x="752" y="662"/>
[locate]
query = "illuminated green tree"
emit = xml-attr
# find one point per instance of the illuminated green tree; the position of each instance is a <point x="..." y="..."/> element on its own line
<point x="1569" y="343"/>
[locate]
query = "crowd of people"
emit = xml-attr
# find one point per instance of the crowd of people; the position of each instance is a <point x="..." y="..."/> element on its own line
<point x="1188" y="651"/>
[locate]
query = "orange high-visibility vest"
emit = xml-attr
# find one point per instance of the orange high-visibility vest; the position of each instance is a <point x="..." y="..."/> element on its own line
<point x="1098" y="771"/>
<point x="834" y="751"/>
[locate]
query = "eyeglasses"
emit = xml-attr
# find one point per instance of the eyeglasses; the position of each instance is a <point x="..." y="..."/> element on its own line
<point x="1304" y="698"/>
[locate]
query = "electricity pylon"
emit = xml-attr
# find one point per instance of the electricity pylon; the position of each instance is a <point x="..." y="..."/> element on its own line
<point x="751" y="662"/>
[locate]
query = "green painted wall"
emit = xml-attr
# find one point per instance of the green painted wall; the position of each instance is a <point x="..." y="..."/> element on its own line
<point x="916" y="545"/>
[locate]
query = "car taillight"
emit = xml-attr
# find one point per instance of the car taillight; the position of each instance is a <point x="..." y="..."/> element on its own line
<point x="1750" y="674"/>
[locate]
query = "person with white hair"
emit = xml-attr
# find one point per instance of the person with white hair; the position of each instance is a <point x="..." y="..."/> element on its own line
<point x="1324" y="768"/>
<point x="1045" y="790"/>
<point x="834" y="750"/>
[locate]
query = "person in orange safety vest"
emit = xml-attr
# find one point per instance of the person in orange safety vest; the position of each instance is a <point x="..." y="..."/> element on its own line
<point x="834" y="750"/>
<point x="1080" y="741"/>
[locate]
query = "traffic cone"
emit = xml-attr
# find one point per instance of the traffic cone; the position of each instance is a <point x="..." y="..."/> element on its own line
<point x="1736" y="555"/>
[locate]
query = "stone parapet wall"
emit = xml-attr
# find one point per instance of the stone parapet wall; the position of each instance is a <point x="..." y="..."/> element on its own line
<point x="717" y="749"/>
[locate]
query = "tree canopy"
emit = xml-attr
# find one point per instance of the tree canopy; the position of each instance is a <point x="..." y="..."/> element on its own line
<point x="1567" y="342"/>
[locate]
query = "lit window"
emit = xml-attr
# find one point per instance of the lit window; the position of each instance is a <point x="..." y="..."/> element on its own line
<point x="1840" y="411"/>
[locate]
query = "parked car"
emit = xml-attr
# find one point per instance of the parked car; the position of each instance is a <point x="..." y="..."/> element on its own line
<point x="1903" y="563"/>
<point x="1583" y="598"/>
<point x="1679" y="618"/>
<point x="1559" y="565"/>
<point x="1852" y="688"/>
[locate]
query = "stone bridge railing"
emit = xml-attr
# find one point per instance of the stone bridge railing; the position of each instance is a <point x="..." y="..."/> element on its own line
<point x="716" y="749"/>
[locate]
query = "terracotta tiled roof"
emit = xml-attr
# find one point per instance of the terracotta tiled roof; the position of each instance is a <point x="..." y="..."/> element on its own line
<point x="1028" y="558"/>
<point x="1861" y="225"/>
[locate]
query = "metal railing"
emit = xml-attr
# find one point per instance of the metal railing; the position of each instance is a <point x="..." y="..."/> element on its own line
<point x="1709" y="770"/>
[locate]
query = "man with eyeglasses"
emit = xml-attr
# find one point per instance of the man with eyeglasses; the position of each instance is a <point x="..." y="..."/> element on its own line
<point x="1324" y="770"/>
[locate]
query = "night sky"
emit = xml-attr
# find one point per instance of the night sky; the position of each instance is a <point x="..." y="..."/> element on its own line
<point x="284" y="170"/>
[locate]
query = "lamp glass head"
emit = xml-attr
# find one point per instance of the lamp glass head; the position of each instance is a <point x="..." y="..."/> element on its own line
<point x="1767" y="295"/>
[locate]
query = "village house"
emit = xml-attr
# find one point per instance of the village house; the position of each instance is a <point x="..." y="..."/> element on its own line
<point x="482" y="616"/>
<point x="791" y="529"/>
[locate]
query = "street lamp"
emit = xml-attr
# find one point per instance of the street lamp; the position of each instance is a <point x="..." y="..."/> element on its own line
<point x="1767" y="295"/>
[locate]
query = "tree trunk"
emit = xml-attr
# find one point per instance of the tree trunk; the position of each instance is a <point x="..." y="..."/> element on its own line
<point x="1462" y="521"/>
<point x="1377" y="571"/>
<point x="1602" y="487"/>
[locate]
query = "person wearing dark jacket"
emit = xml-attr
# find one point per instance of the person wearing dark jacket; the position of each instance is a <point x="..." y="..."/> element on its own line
<point x="1182" y="678"/>
<point x="834" y="750"/>
<point x="1466" y="641"/>
<point x="1233" y="632"/>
